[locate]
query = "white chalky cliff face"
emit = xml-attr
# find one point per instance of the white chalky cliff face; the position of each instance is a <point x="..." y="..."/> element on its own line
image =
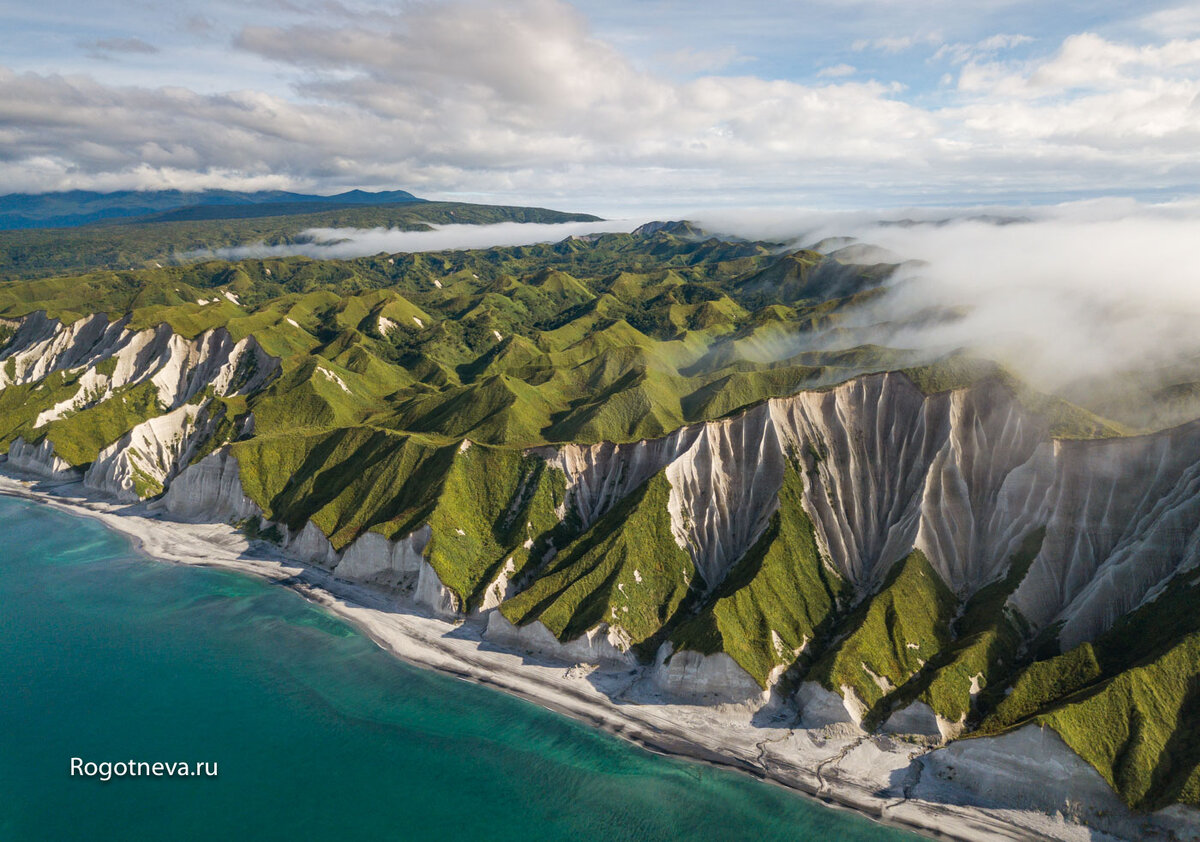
<point x="961" y="476"/>
<point x="105" y="359"/>
<point x="179" y="367"/>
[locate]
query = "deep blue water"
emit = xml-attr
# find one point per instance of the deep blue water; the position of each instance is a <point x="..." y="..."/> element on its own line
<point x="317" y="733"/>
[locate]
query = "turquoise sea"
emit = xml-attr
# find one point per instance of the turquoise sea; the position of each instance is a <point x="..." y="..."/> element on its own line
<point x="317" y="734"/>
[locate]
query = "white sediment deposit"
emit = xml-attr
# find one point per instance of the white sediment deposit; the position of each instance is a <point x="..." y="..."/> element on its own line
<point x="1014" y="769"/>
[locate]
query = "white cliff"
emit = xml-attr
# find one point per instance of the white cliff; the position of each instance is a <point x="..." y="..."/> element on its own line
<point x="596" y="646"/>
<point x="143" y="460"/>
<point x="40" y="460"/>
<point x="210" y="490"/>
<point x="374" y="559"/>
<point x="178" y="367"/>
<point x="724" y="489"/>
<point x="1122" y="517"/>
<point x="962" y="476"/>
<point x="708" y="679"/>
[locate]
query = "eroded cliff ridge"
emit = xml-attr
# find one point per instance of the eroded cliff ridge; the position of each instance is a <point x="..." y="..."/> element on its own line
<point x="617" y="449"/>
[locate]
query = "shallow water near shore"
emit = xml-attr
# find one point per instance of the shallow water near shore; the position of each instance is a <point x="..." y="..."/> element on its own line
<point x="106" y="655"/>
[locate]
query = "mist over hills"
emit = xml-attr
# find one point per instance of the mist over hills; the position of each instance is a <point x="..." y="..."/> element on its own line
<point x="185" y="235"/>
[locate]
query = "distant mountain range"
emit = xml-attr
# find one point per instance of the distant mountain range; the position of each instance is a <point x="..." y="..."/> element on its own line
<point x="73" y="208"/>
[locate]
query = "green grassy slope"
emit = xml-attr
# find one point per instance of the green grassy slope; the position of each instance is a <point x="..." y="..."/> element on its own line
<point x="137" y="244"/>
<point x="987" y="640"/>
<point x="890" y="636"/>
<point x="780" y="597"/>
<point x="626" y="571"/>
<point x="1127" y="702"/>
<point x="616" y="337"/>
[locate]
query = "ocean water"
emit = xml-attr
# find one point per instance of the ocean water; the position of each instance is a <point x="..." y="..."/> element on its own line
<point x="317" y="733"/>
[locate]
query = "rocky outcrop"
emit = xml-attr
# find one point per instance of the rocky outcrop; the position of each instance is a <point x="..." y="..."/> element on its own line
<point x="501" y="588"/>
<point x="594" y="647"/>
<point x="920" y="719"/>
<point x="433" y="595"/>
<point x="309" y="544"/>
<point x="112" y="357"/>
<point x="710" y="679"/>
<point x="1012" y="771"/>
<point x="820" y="708"/>
<point x="40" y="460"/>
<point x="374" y="559"/>
<point x="210" y="490"/>
<point x="142" y="462"/>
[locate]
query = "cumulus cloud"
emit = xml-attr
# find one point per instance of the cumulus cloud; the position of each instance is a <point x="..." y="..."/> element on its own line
<point x="525" y="100"/>
<point x="326" y="243"/>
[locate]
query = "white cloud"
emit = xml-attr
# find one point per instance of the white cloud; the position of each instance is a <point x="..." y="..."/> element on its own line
<point x="1086" y="61"/>
<point x="1177" y="22"/>
<point x="692" y="61"/>
<point x="478" y="100"/>
<point x="1072" y="292"/>
<point x="960" y="53"/>
<point x="836" y="71"/>
<point x="327" y="243"/>
<point x="120" y="45"/>
<point x="895" y="43"/>
<point x="524" y="101"/>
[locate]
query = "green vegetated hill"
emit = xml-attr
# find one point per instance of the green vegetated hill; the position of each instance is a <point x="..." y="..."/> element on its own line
<point x="415" y="390"/>
<point x="69" y="208"/>
<point x="616" y="337"/>
<point x="182" y="234"/>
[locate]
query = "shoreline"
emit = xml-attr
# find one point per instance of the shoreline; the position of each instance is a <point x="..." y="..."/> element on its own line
<point x="834" y="767"/>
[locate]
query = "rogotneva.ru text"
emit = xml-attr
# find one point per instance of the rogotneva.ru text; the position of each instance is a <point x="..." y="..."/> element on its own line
<point x="107" y="770"/>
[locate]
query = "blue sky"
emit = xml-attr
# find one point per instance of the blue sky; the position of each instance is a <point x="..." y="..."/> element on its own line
<point x="607" y="105"/>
